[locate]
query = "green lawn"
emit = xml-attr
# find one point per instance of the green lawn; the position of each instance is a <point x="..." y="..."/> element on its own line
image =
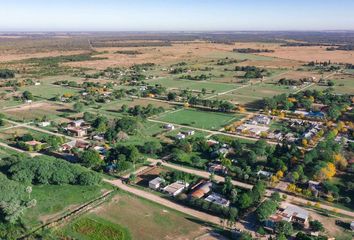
<point x="47" y="90"/>
<point x="53" y="200"/>
<point x="94" y="228"/>
<point x="200" y="119"/>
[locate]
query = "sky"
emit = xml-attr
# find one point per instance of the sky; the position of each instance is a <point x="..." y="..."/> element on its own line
<point x="175" y="15"/>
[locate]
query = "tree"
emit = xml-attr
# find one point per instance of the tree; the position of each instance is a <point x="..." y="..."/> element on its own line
<point x="89" y="178"/>
<point x="27" y="95"/>
<point x="266" y="209"/>
<point x="152" y="147"/>
<point x="316" y="226"/>
<point x="90" y="158"/>
<point x="284" y="227"/>
<point x="78" y="107"/>
<point x="245" y="200"/>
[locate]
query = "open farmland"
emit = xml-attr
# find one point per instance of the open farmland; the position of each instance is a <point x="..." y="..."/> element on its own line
<point x="200" y="119"/>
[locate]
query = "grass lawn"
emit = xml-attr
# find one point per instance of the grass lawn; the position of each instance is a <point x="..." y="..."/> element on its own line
<point x="263" y="90"/>
<point x="47" y="91"/>
<point x="94" y="228"/>
<point x="145" y="220"/>
<point x="200" y="119"/>
<point x="52" y="200"/>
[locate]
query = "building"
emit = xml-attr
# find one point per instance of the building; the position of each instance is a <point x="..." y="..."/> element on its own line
<point x="175" y="188"/>
<point x="33" y="143"/>
<point x="78" y="132"/>
<point x="74" y="144"/>
<point x="352" y="225"/>
<point x="260" y="119"/>
<point x="289" y="213"/>
<point x="180" y="136"/>
<point x="156" y="183"/>
<point x="44" y="124"/>
<point x="201" y="189"/>
<point x="217" y="199"/>
<point x="169" y="127"/>
<point x="189" y="132"/>
<point x="217" y="168"/>
<point x="77" y="123"/>
<point x="264" y="173"/>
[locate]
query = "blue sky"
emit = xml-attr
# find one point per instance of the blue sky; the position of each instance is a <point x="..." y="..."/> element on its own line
<point x="179" y="15"/>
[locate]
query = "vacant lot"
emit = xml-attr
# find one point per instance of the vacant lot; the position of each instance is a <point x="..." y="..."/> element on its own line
<point x="37" y="111"/>
<point x="52" y="201"/>
<point x="146" y="220"/>
<point x="200" y="119"/>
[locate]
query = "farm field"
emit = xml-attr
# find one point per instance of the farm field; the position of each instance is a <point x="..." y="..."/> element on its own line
<point x="145" y="220"/>
<point x="200" y="119"/>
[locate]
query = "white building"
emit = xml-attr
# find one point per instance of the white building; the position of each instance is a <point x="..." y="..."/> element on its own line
<point x="169" y="127"/>
<point x="180" y="136"/>
<point x="44" y="124"/>
<point x="175" y="188"/>
<point x="156" y="183"/>
<point x="217" y="199"/>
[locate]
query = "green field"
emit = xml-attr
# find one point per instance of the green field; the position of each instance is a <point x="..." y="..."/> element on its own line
<point x="47" y="91"/>
<point x="200" y="119"/>
<point x="193" y="85"/>
<point x="94" y="228"/>
<point x="53" y="200"/>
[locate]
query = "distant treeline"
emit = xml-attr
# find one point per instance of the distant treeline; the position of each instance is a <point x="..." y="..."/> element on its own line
<point x="117" y="43"/>
<point x="128" y="52"/>
<point x="342" y="48"/>
<point x="252" y="50"/>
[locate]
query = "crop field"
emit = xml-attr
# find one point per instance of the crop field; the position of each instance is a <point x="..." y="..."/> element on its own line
<point x="144" y="219"/>
<point x="200" y="119"/>
<point x="263" y="90"/>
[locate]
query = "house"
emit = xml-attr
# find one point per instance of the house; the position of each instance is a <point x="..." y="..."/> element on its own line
<point x="289" y="213"/>
<point x="217" y="199"/>
<point x="28" y="101"/>
<point x="189" y="132"/>
<point x="37" y="83"/>
<point x="156" y="183"/>
<point x="217" y="168"/>
<point x="201" y="189"/>
<point x="352" y="225"/>
<point x="264" y="173"/>
<point x="77" y="123"/>
<point x="44" y="124"/>
<point x="33" y="143"/>
<point x="98" y="138"/>
<point x="212" y="142"/>
<point x="77" y="132"/>
<point x="260" y="119"/>
<point x="175" y="188"/>
<point x="180" y="136"/>
<point x="74" y="144"/>
<point x="169" y="127"/>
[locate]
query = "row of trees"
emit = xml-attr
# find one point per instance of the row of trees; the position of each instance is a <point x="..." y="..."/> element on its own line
<point x="6" y="73"/>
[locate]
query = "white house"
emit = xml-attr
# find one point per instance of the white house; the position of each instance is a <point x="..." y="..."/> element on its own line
<point x="156" y="183"/>
<point x="169" y="127"/>
<point x="44" y="124"/>
<point x="180" y="136"/>
<point x="175" y="188"/>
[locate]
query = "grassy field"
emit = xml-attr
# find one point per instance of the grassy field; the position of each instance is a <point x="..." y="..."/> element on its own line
<point x="193" y="85"/>
<point x="200" y="119"/>
<point x="53" y="200"/>
<point x="94" y="228"/>
<point x="144" y="219"/>
<point x="47" y="91"/>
